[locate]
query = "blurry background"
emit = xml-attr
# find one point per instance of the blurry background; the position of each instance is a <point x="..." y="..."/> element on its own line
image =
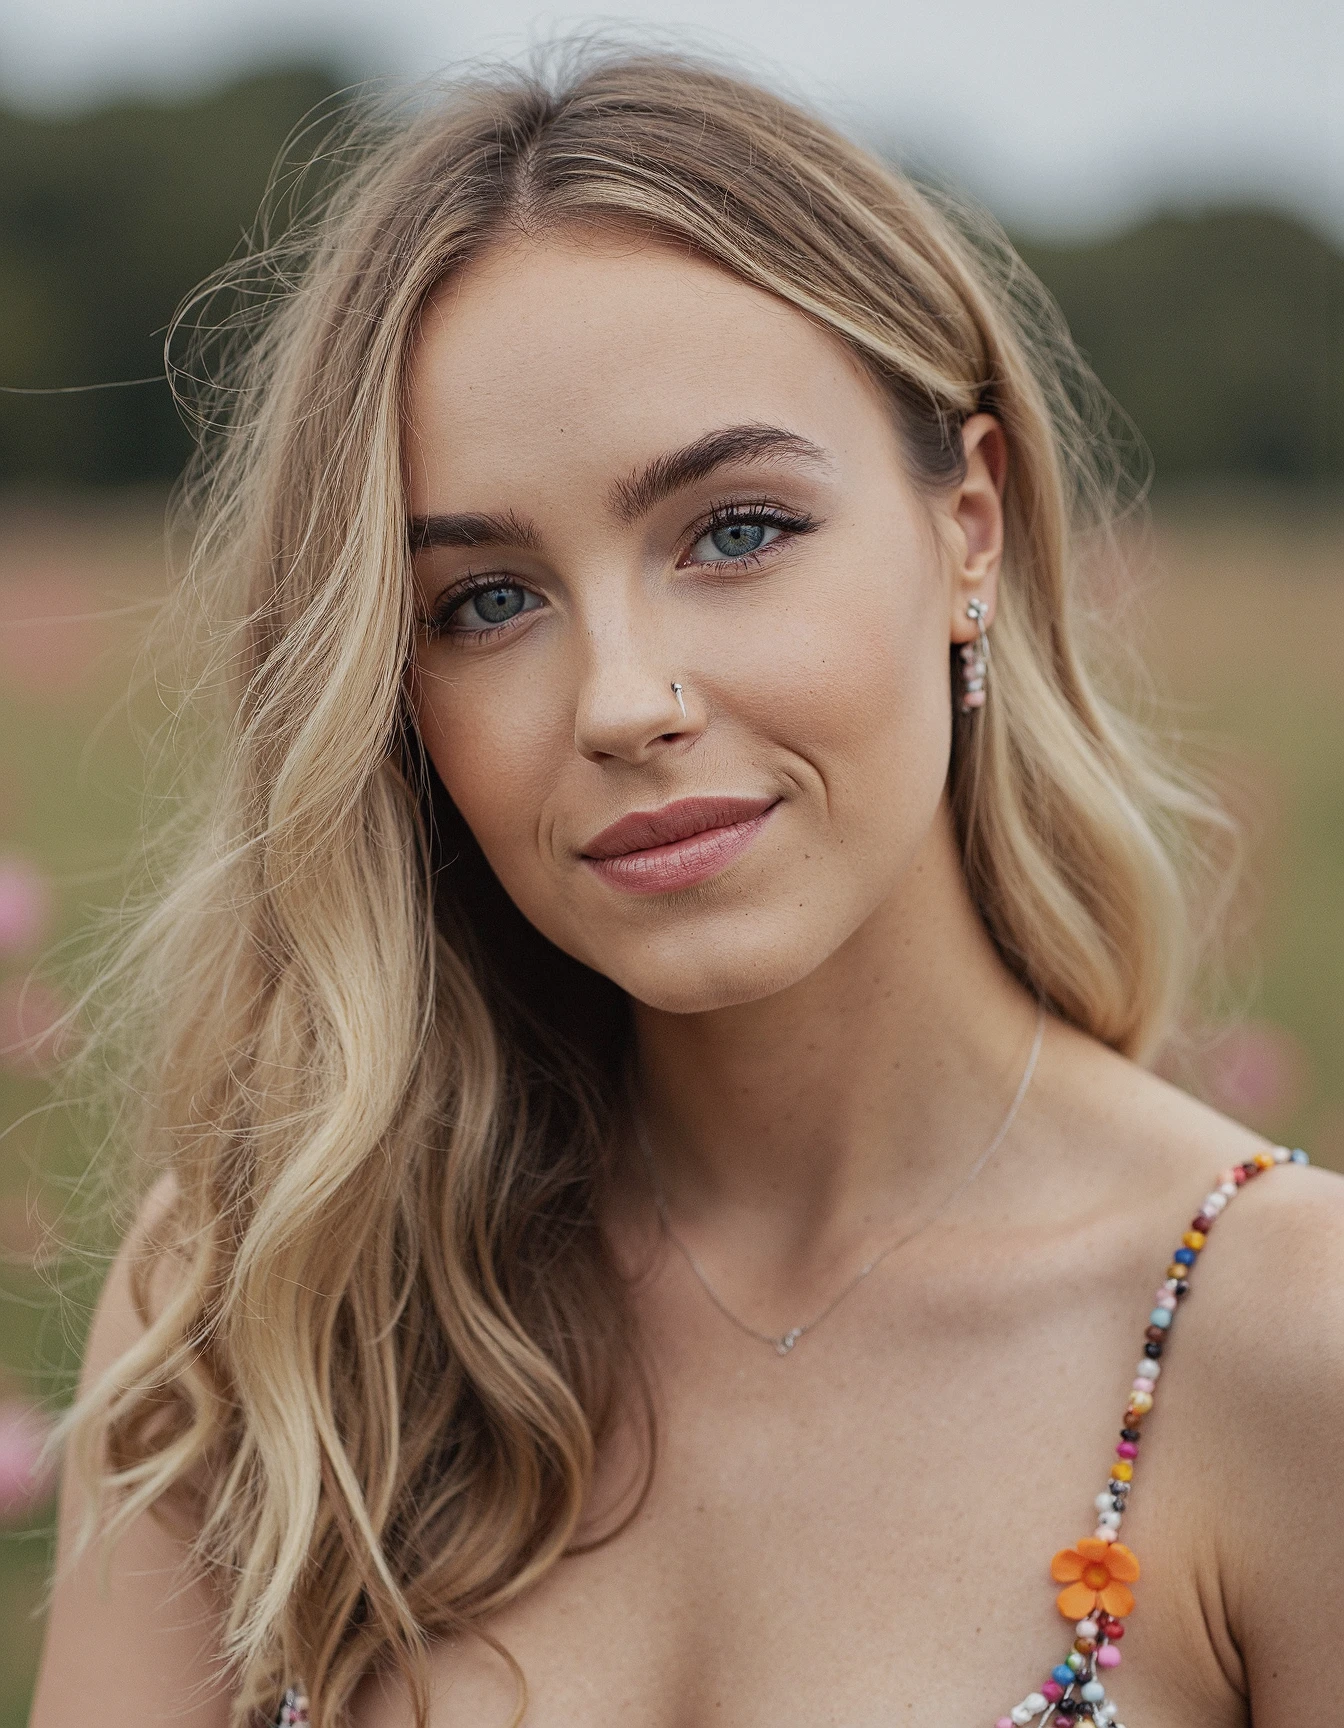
<point x="1173" y="171"/>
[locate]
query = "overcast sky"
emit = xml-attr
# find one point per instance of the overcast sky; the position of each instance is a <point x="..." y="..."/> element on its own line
<point x="1064" y="114"/>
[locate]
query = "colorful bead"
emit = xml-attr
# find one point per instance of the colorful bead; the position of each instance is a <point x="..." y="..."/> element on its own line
<point x="1098" y="1571"/>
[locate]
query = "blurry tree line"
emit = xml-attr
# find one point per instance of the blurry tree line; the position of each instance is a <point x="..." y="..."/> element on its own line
<point x="1221" y="334"/>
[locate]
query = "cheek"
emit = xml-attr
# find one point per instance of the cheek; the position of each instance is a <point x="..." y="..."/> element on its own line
<point x="856" y="686"/>
<point x="492" y="757"/>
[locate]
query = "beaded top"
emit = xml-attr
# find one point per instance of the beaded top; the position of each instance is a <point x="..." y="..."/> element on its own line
<point x="1098" y="1570"/>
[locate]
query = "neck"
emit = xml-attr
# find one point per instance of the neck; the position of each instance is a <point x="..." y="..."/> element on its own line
<point x="822" y="1118"/>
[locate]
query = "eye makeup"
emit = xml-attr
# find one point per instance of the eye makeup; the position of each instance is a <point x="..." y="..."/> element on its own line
<point x="501" y="601"/>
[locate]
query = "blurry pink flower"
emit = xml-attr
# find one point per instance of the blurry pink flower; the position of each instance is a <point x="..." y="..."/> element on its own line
<point x="25" y="906"/>
<point x="25" y="1481"/>
<point x="1256" y="1072"/>
<point x="29" y="1014"/>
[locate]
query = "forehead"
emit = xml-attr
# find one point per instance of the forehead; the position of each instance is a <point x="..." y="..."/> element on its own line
<point x="552" y="362"/>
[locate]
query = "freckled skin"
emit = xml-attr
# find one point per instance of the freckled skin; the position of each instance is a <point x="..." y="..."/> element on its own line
<point x="826" y="1037"/>
<point x="808" y="677"/>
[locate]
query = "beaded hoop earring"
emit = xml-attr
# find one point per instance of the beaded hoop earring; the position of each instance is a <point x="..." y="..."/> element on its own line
<point x="974" y="660"/>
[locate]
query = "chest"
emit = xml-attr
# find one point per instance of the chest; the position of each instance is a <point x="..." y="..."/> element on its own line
<point x="860" y="1534"/>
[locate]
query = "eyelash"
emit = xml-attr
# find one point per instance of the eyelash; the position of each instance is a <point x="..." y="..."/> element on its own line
<point x="724" y="515"/>
<point x="762" y="512"/>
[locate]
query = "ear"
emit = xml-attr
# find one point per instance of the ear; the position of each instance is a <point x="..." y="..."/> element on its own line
<point x="974" y="521"/>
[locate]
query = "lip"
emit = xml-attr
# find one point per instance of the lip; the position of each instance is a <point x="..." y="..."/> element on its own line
<point x="688" y="841"/>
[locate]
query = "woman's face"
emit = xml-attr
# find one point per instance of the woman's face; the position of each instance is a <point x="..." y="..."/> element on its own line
<point x="631" y="471"/>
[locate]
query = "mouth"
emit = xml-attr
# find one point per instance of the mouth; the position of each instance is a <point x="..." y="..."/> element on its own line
<point x="656" y="851"/>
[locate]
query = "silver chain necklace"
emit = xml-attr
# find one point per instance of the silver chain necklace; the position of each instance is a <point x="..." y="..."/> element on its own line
<point x="784" y="1342"/>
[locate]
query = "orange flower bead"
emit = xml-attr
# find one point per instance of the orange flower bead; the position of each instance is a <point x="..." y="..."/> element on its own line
<point x="1097" y="1574"/>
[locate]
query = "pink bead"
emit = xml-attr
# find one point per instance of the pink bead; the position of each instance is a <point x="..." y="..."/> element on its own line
<point x="1004" y="1722"/>
<point x="1165" y="1299"/>
<point x="973" y="699"/>
<point x="1126" y="1449"/>
<point x="1052" y="1691"/>
<point x="1144" y="1384"/>
<point x="1108" y="1657"/>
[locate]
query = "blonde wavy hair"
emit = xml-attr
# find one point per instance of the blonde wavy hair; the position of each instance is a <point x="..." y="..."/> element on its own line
<point x="392" y="1337"/>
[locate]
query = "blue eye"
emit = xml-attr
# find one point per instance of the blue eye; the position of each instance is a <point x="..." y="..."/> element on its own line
<point x="486" y="609"/>
<point x="734" y="539"/>
<point x="498" y="605"/>
<point x="738" y="537"/>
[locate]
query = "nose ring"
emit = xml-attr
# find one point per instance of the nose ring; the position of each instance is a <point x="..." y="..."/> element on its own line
<point x="676" y="691"/>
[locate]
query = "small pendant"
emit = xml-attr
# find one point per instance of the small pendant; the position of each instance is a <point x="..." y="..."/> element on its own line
<point x="786" y="1343"/>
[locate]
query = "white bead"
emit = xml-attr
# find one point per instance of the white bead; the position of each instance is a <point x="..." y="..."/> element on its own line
<point x="1087" y="1629"/>
<point x="1228" y="1190"/>
<point x="1148" y="1369"/>
<point x="1092" y="1691"/>
<point x="1021" y="1715"/>
<point x="1103" y="1503"/>
<point x="1035" y="1701"/>
<point x="1111" y="1518"/>
<point x="1104" y="1533"/>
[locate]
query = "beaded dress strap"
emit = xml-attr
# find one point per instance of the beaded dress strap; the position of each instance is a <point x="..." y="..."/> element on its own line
<point x="1098" y="1570"/>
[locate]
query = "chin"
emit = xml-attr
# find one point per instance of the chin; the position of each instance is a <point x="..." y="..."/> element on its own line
<point x="685" y="974"/>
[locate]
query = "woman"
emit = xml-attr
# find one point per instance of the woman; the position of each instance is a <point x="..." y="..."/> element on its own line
<point x="656" y="1191"/>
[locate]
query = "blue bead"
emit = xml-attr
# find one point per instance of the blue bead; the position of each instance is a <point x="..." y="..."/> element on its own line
<point x="1184" y="1256"/>
<point x="1063" y="1674"/>
<point x="1160" y="1317"/>
<point x="1300" y="1157"/>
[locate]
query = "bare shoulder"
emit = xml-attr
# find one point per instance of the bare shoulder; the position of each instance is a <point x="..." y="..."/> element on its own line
<point x="142" y="1640"/>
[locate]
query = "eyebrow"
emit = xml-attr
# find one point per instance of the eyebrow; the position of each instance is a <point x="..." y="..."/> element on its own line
<point x="631" y="497"/>
<point x="472" y="528"/>
<point x="637" y="494"/>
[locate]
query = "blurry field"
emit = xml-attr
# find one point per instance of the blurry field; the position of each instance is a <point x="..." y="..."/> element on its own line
<point x="1241" y="620"/>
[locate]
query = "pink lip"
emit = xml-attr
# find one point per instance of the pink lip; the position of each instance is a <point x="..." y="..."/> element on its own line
<point x="655" y="851"/>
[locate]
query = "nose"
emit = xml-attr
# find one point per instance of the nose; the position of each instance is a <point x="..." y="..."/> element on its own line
<point x="633" y="701"/>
